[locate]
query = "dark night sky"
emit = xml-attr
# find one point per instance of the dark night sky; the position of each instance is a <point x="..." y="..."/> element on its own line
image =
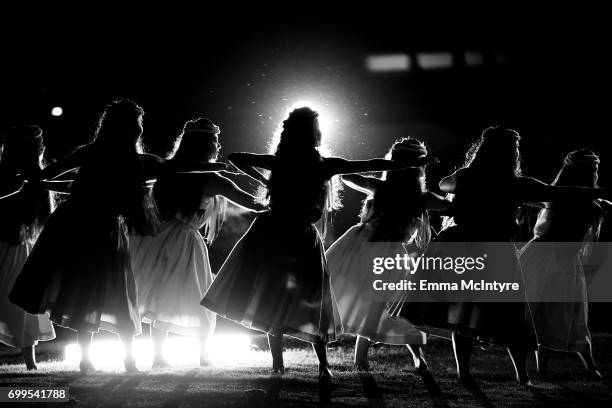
<point x="245" y="73"/>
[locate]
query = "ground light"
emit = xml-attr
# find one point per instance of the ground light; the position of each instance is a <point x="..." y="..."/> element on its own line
<point x="223" y="350"/>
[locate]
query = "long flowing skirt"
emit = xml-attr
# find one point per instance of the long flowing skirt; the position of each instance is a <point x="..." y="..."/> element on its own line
<point x="172" y="274"/>
<point x="360" y="312"/>
<point x="18" y="328"/>
<point x="79" y="272"/>
<point x="551" y="272"/>
<point x="276" y="280"/>
<point x="501" y="323"/>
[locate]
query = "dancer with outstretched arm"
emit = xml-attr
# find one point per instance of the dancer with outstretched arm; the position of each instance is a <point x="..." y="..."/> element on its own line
<point x="22" y="217"/>
<point x="557" y="271"/>
<point x="276" y="278"/>
<point x="79" y="270"/>
<point x="394" y="215"/>
<point x="488" y="190"/>
<point x="172" y="268"/>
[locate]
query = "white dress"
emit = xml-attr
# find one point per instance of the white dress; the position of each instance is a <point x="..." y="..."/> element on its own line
<point x="173" y="272"/>
<point x="276" y="278"/>
<point x="550" y="270"/>
<point x="17" y="327"/>
<point x="359" y="312"/>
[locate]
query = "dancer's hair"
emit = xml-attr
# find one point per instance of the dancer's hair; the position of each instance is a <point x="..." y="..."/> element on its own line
<point x="116" y="146"/>
<point x="298" y="157"/>
<point x="494" y="159"/>
<point x="396" y="206"/>
<point x="579" y="168"/>
<point x="23" y="215"/>
<point x="176" y="194"/>
<point x="117" y="126"/>
<point x="495" y="153"/>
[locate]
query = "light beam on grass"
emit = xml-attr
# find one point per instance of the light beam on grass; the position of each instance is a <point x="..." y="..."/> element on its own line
<point x="223" y="350"/>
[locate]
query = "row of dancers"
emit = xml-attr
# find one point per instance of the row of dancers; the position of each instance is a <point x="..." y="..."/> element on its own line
<point x="126" y="246"/>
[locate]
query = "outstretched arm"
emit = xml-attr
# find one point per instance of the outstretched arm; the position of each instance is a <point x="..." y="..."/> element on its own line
<point x="449" y="183"/>
<point x="65" y="165"/>
<point x="605" y="204"/>
<point x="58" y="186"/>
<point x="155" y="166"/>
<point x="219" y="185"/>
<point x="11" y="186"/>
<point x="247" y="163"/>
<point x="533" y="190"/>
<point x="338" y="165"/>
<point x="367" y="185"/>
<point x="535" y="204"/>
<point x="435" y="202"/>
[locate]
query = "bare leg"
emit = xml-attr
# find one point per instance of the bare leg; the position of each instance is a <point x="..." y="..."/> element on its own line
<point x="518" y="355"/>
<point x="276" y="348"/>
<point x="542" y="357"/>
<point x="158" y="337"/>
<point x="418" y="356"/>
<point x="84" y="339"/>
<point x="586" y="355"/>
<point x="29" y="357"/>
<point x="320" y="347"/>
<point x="204" y="358"/>
<point x="130" y="361"/>
<point x="362" y="345"/>
<point x="462" y="346"/>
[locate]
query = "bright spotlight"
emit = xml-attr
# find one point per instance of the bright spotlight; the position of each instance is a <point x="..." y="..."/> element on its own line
<point x="231" y="349"/>
<point x="223" y="350"/>
<point x="57" y="111"/>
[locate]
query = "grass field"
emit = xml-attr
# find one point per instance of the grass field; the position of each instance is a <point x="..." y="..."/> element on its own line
<point x="389" y="384"/>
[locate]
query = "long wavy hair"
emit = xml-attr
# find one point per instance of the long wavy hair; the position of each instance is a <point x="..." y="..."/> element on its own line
<point x="397" y="207"/>
<point x="493" y="159"/>
<point x="116" y="148"/>
<point x="298" y="161"/>
<point x="198" y="141"/>
<point x="495" y="154"/>
<point x="23" y="215"/>
<point x="579" y="168"/>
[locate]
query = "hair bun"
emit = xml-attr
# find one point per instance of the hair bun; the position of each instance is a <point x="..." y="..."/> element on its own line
<point x="501" y="132"/>
<point x="412" y="149"/>
<point x="201" y="125"/>
<point x="582" y="157"/>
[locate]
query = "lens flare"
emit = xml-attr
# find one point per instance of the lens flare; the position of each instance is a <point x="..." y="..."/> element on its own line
<point x="223" y="350"/>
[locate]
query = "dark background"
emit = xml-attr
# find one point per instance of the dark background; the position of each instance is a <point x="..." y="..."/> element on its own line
<point x="543" y="75"/>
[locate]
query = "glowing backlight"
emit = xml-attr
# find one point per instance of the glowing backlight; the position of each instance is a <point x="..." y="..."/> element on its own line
<point x="223" y="350"/>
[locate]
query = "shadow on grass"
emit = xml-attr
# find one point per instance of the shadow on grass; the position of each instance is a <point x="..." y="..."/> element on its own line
<point x="268" y="394"/>
<point x="479" y="395"/>
<point x="371" y="390"/>
<point x="438" y="399"/>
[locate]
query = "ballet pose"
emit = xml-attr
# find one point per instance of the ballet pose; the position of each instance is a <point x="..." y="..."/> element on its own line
<point x="547" y="270"/>
<point x="79" y="270"/>
<point x="172" y="269"/>
<point x="276" y="279"/>
<point x="488" y="191"/>
<point x="22" y="216"/>
<point x="395" y="213"/>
